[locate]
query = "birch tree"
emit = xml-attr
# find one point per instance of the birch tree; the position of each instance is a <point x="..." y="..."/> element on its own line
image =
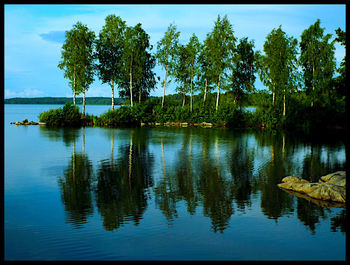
<point x="316" y="59"/>
<point x="278" y="67"/>
<point x="243" y="70"/>
<point x="192" y="63"/>
<point x="85" y="66"/>
<point x="221" y="44"/>
<point x="109" y="48"/>
<point x="166" y="49"/>
<point x="70" y="59"/>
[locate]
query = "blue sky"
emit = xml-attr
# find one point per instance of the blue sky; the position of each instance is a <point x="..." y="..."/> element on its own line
<point x="34" y="34"/>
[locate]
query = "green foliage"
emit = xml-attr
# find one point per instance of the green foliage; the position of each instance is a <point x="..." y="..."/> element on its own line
<point x="109" y="48"/>
<point x="122" y="116"/>
<point x="166" y="50"/>
<point x="137" y="79"/>
<point x="316" y="59"/>
<point x="68" y="116"/>
<point x="243" y="70"/>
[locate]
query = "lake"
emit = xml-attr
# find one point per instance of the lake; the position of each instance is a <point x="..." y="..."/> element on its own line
<point x="164" y="193"/>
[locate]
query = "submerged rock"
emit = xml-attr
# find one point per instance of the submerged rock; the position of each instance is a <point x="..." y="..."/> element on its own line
<point x="329" y="188"/>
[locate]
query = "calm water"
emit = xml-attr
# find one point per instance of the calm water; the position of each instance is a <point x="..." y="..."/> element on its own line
<point x="163" y="193"/>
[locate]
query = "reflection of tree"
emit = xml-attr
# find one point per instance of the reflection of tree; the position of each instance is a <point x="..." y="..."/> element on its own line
<point x="240" y="162"/>
<point x="165" y="192"/>
<point x="274" y="202"/>
<point x="68" y="135"/>
<point x="75" y="188"/>
<point x="217" y="196"/>
<point x="314" y="167"/>
<point x="120" y="191"/>
<point x="339" y="222"/>
<point x="216" y="191"/>
<point x="309" y="213"/>
<point x="184" y="175"/>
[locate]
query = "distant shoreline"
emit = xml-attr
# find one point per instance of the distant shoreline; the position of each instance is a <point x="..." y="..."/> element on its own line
<point x="63" y="100"/>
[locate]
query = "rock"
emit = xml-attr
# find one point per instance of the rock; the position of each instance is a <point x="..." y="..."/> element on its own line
<point x="26" y="122"/>
<point x="329" y="188"/>
<point x="294" y="179"/>
<point x="337" y="178"/>
<point x="206" y="124"/>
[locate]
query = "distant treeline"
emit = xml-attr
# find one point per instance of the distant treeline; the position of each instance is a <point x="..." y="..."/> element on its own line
<point x="63" y="100"/>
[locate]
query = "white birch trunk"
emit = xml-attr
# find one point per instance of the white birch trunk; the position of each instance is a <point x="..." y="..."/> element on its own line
<point x="218" y="94"/>
<point x="166" y="66"/>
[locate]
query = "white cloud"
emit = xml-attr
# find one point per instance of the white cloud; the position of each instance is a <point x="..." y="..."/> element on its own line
<point x="27" y="93"/>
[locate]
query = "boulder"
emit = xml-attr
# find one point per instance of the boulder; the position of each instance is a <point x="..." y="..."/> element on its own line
<point x="329" y="188"/>
<point x="337" y="178"/>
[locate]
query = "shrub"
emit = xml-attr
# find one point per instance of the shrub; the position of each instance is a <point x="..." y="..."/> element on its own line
<point x="118" y="117"/>
<point x="69" y="115"/>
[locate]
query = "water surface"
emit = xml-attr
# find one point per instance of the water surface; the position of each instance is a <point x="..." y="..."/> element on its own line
<point x="164" y="193"/>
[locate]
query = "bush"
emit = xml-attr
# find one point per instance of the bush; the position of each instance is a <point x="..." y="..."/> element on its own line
<point x="52" y="117"/>
<point x="118" y="117"/>
<point x="68" y="116"/>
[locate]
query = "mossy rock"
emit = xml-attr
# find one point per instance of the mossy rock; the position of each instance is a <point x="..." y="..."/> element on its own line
<point x="330" y="187"/>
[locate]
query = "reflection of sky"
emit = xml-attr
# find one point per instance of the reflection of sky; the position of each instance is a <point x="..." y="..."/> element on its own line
<point x="34" y="34"/>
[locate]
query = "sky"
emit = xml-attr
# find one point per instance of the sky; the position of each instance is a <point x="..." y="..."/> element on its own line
<point x="34" y="35"/>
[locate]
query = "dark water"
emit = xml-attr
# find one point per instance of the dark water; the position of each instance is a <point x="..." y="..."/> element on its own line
<point x="164" y="194"/>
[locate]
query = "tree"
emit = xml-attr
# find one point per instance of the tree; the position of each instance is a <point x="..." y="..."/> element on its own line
<point x="85" y="56"/>
<point x="278" y="66"/>
<point x="135" y="58"/>
<point x="316" y="59"/>
<point x="166" y="49"/>
<point x="243" y="70"/>
<point x="340" y="81"/>
<point x="192" y="62"/>
<point x="221" y="45"/>
<point x="181" y="71"/>
<point x="148" y="79"/>
<point x="70" y="60"/>
<point x="205" y="74"/>
<point x="109" y="51"/>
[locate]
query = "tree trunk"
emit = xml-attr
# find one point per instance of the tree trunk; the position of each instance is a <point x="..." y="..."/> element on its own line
<point x="273" y="88"/>
<point x="74" y="85"/>
<point x="184" y="99"/>
<point x="166" y="66"/>
<point x="284" y="105"/>
<point x="112" y="85"/>
<point x="313" y="83"/>
<point x="131" y="103"/>
<point x="140" y="95"/>
<point x="205" y="91"/>
<point x="218" y="94"/>
<point x="191" y="101"/>
<point x="83" y="114"/>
